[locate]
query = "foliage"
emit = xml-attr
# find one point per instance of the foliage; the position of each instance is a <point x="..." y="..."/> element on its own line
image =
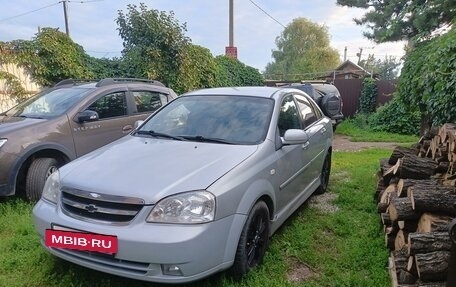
<point x="387" y="68"/>
<point x="393" y="117"/>
<point x="52" y="56"/>
<point x="345" y="247"/>
<point x="231" y="72"/>
<point x="368" y="99"/>
<point x="198" y="69"/>
<point x="428" y="79"/>
<point x="154" y="43"/>
<point x="369" y="128"/>
<point x="303" y="47"/>
<point x="108" y="68"/>
<point x="403" y="19"/>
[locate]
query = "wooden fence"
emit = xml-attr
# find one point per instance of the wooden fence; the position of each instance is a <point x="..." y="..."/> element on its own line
<point x="350" y="90"/>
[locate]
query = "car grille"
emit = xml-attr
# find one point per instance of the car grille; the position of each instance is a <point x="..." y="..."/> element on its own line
<point x="108" y="208"/>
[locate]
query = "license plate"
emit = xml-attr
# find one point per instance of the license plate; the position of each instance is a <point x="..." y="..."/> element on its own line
<point x="62" y="237"/>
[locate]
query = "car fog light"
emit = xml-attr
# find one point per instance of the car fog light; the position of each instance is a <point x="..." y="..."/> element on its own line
<point x="171" y="270"/>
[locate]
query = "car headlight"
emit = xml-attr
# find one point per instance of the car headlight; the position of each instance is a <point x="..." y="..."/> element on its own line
<point x="185" y="208"/>
<point x="51" y="188"/>
<point x="2" y="142"/>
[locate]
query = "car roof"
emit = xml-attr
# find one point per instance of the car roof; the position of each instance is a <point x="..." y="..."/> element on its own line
<point x="264" y="92"/>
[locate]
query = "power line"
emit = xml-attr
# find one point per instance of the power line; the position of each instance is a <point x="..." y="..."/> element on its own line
<point x="29" y="12"/>
<point x="269" y="15"/>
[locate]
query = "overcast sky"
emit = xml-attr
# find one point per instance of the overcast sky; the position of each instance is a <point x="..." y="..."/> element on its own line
<point x="92" y="24"/>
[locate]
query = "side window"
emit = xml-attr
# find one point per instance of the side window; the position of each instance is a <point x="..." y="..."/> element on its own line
<point x="308" y="112"/>
<point x="289" y="116"/>
<point x="147" y="101"/>
<point x="111" y="105"/>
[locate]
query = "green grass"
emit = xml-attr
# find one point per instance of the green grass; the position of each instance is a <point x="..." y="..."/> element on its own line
<point x="342" y="249"/>
<point x="358" y="133"/>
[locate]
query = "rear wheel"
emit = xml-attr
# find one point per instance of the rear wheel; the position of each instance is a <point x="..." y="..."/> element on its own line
<point x="325" y="171"/>
<point x="253" y="241"/>
<point x="38" y="172"/>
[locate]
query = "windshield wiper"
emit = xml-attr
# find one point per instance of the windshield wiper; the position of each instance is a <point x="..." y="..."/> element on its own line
<point x="162" y="135"/>
<point x="205" y="139"/>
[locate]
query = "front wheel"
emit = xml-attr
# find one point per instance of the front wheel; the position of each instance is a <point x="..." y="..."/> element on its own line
<point x="38" y="172"/>
<point x="324" y="176"/>
<point x="252" y="242"/>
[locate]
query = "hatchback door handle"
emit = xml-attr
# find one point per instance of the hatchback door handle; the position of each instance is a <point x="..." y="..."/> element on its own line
<point x="305" y="145"/>
<point x="323" y="130"/>
<point x="127" y="128"/>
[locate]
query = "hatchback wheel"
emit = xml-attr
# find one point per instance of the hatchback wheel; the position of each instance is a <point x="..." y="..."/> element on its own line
<point x="253" y="241"/>
<point x="39" y="171"/>
<point x="325" y="171"/>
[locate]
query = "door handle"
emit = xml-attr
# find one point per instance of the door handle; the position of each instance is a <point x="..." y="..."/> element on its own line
<point x="127" y="128"/>
<point x="305" y="145"/>
<point x="323" y="130"/>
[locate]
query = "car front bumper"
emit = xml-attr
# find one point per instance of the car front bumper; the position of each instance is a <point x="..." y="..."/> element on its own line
<point x="145" y="250"/>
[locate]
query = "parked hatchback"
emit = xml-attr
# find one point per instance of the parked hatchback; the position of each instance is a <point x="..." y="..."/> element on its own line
<point x="67" y="121"/>
<point x="198" y="188"/>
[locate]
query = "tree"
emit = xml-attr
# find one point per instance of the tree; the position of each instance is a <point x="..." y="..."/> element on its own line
<point x="154" y="43"/>
<point x="396" y="20"/>
<point x="428" y="80"/>
<point x="387" y="69"/>
<point x="198" y="69"/>
<point x="302" y="48"/>
<point x="231" y="72"/>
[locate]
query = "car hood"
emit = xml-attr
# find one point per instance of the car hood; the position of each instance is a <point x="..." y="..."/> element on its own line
<point x="8" y="124"/>
<point x="152" y="168"/>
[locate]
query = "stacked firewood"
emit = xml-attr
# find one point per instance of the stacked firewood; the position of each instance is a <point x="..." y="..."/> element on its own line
<point x="416" y="198"/>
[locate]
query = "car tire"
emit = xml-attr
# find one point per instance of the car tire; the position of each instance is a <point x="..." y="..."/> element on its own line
<point x="252" y="242"/>
<point x="38" y="172"/>
<point x="325" y="172"/>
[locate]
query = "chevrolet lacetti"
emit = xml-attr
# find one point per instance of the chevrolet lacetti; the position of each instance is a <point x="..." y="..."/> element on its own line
<point x="199" y="187"/>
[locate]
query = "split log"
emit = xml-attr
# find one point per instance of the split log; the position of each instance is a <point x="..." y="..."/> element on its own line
<point x="428" y="242"/>
<point x="405" y="277"/>
<point x="400" y="241"/>
<point x="385" y="195"/>
<point x="414" y="167"/>
<point x="429" y="222"/>
<point x="400" y="259"/>
<point x="411" y="266"/>
<point x="400" y="152"/>
<point x="390" y="237"/>
<point x="386" y="219"/>
<point x="380" y="187"/>
<point x="382" y="207"/>
<point x="433" y="284"/>
<point x="438" y="199"/>
<point x="405" y="183"/>
<point x="432" y="266"/>
<point x="401" y="209"/>
<point x="408" y="225"/>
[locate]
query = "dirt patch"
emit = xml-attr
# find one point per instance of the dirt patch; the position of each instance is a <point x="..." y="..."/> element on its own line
<point x="343" y="143"/>
<point x="323" y="202"/>
<point x="299" y="272"/>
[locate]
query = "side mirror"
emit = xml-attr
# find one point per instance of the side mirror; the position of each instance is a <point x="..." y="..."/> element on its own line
<point x="87" y="116"/>
<point x="138" y="123"/>
<point x="294" y="136"/>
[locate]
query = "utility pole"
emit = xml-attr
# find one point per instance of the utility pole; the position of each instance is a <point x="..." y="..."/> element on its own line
<point x="65" y="14"/>
<point x="231" y="50"/>
<point x="345" y="54"/>
<point x="359" y="55"/>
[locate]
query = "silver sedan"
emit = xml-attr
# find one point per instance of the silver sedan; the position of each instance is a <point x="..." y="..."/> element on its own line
<point x="199" y="187"/>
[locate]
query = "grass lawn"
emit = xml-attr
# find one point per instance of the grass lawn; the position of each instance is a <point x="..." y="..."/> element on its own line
<point x="360" y="134"/>
<point x="344" y="248"/>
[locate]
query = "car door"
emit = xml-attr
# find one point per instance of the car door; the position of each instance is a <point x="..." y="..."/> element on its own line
<point x="145" y="102"/>
<point x="289" y="171"/>
<point x="112" y="123"/>
<point x="315" y="128"/>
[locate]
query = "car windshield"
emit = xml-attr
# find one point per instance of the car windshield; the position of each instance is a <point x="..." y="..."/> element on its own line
<point x="49" y="103"/>
<point x="215" y="119"/>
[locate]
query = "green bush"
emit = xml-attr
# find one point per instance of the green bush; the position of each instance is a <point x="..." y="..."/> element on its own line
<point x="368" y="99"/>
<point x="393" y="117"/>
